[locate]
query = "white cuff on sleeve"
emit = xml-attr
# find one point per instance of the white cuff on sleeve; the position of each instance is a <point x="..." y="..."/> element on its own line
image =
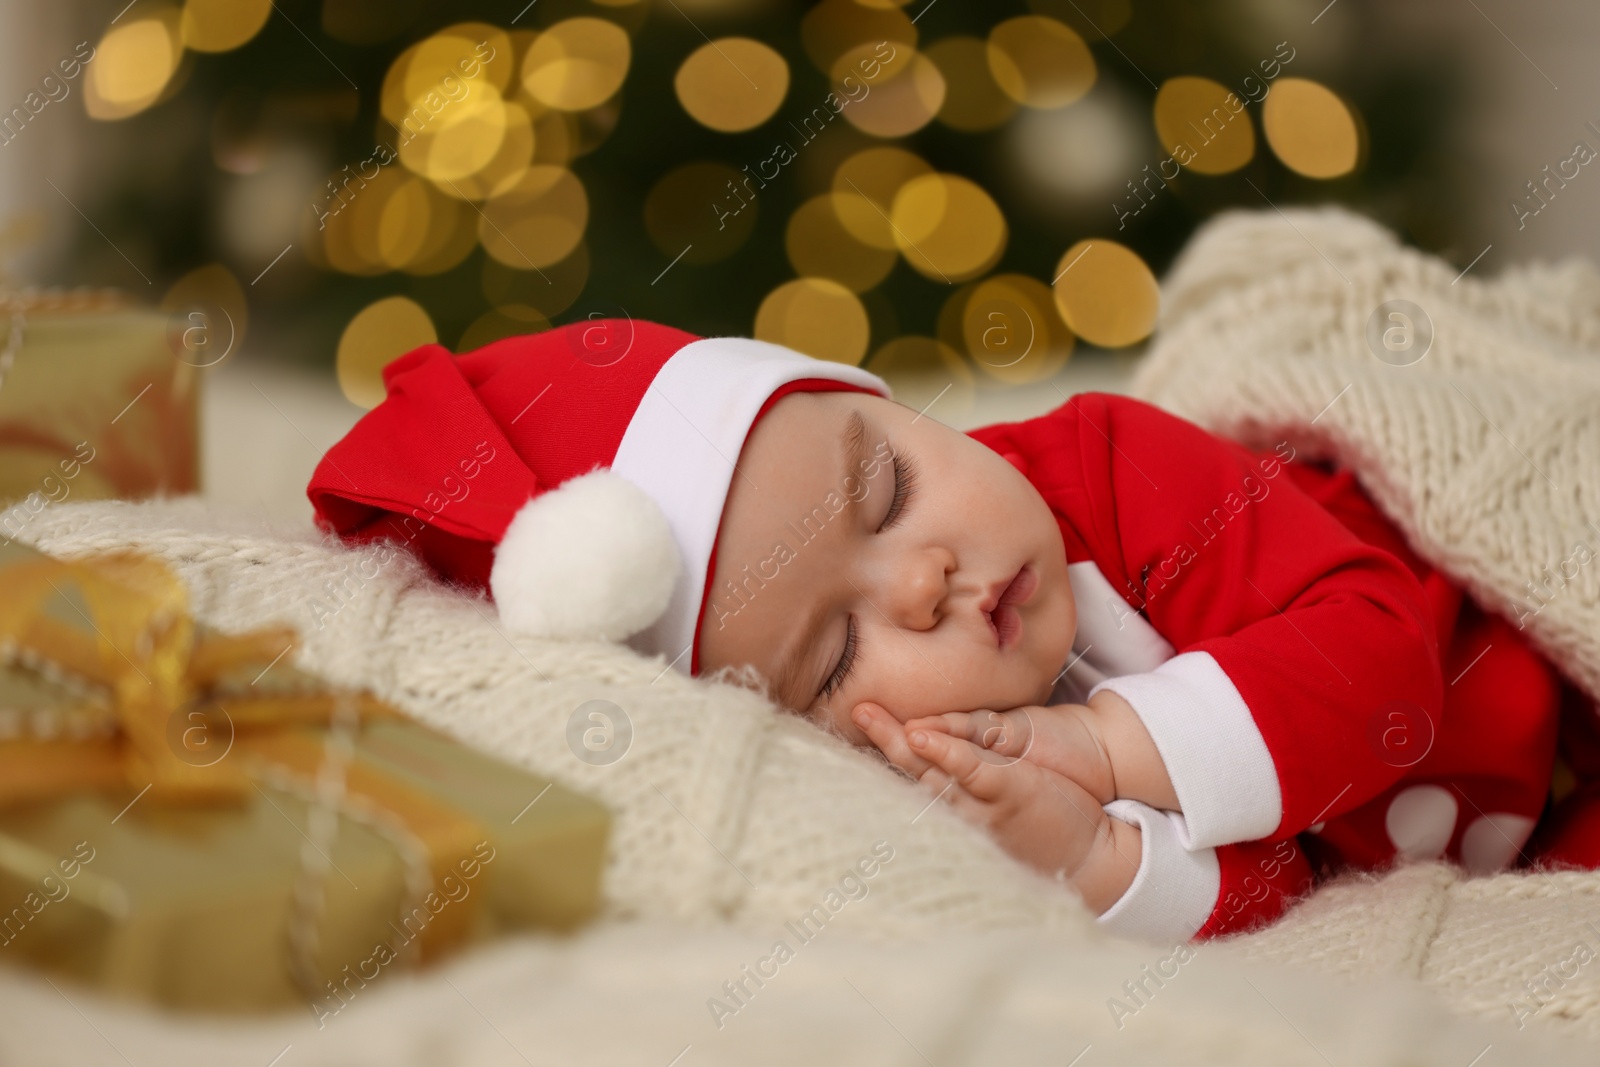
<point x="1176" y="889"/>
<point x="1226" y="782"/>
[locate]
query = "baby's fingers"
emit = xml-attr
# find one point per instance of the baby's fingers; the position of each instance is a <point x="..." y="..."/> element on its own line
<point x="1005" y="734"/>
<point x="955" y="723"/>
<point x="964" y="762"/>
<point x="941" y="788"/>
<point x="886" y="733"/>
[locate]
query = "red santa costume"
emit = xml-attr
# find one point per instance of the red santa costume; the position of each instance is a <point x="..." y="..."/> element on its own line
<point x="1318" y="694"/>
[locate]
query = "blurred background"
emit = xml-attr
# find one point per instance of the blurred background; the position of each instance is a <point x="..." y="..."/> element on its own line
<point x="220" y="218"/>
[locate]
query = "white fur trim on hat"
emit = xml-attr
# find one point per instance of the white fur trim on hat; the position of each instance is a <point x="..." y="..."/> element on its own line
<point x="681" y="445"/>
<point x="593" y="558"/>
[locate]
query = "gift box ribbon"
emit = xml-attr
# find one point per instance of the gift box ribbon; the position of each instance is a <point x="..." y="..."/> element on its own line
<point x="145" y="652"/>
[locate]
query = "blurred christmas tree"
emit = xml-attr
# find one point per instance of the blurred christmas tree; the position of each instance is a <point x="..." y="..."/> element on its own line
<point x="958" y="184"/>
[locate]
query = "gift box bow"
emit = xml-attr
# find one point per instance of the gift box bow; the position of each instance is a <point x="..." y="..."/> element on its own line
<point x="193" y="717"/>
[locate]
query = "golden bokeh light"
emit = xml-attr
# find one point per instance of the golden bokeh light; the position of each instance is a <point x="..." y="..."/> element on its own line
<point x="442" y="95"/>
<point x="549" y="291"/>
<point x="817" y="316"/>
<point x="1310" y="129"/>
<point x="209" y="314"/>
<point x="393" y="103"/>
<point x="538" y="221"/>
<point x="355" y="221"/>
<point x="1040" y="62"/>
<point x="873" y="176"/>
<point x="732" y="84"/>
<point x="132" y="66"/>
<point x="461" y="140"/>
<point x="521" y="40"/>
<point x="704" y="205"/>
<point x="819" y="245"/>
<point x="578" y="63"/>
<point x="555" y="134"/>
<point x="510" y="161"/>
<point x="973" y="101"/>
<point x="222" y="25"/>
<point x="496" y="324"/>
<point x="403" y="224"/>
<point x="336" y="248"/>
<point x="1204" y="125"/>
<point x="905" y="96"/>
<point x="451" y="236"/>
<point x="927" y="375"/>
<point x="1010" y="327"/>
<point x="465" y="42"/>
<point x="391" y="221"/>
<point x="380" y="333"/>
<point x="834" y="27"/>
<point x="947" y="227"/>
<point x="1106" y="294"/>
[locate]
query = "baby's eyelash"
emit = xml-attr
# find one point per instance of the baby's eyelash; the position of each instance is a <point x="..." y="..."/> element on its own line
<point x="847" y="659"/>
<point x="905" y="486"/>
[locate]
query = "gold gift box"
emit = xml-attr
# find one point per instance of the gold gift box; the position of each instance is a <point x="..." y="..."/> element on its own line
<point x="252" y="839"/>
<point x="93" y="402"/>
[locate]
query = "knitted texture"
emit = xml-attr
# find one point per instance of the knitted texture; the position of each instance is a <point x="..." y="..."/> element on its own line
<point x="725" y="807"/>
<point x="732" y="822"/>
<point x="1485" y="453"/>
<point x="733" y="819"/>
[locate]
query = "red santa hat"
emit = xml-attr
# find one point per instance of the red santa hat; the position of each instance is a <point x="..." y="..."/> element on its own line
<point x="578" y="475"/>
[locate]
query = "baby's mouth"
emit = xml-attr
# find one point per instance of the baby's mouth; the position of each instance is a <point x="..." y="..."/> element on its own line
<point x="1004" y="618"/>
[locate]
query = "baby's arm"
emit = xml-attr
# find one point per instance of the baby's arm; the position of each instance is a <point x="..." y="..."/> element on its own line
<point x="1103" y="745"/>
<point x="1137" y="873"/>
<point x="1042" y="818"/>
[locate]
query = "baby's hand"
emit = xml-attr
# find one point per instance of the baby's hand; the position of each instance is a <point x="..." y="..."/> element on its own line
<point x="1042" y="818"/>
<point x="1063" y="739"/>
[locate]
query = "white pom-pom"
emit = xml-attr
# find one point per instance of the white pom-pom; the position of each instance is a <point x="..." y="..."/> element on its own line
<point x="592" y="558"/>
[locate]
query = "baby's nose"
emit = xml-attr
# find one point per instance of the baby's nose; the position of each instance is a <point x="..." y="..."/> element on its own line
<point x="917" y="589"/>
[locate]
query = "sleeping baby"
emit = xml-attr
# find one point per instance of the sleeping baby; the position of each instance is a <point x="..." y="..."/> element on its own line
<point x="1184" y="677"/>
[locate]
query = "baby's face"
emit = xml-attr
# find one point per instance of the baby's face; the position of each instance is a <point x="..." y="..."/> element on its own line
<point x="868" y="549"/>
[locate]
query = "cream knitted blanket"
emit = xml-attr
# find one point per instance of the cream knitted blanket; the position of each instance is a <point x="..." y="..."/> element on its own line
<point x="734" y="820"/>
<point x="1483" y="446"/>
<point x="733" y="823"/>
